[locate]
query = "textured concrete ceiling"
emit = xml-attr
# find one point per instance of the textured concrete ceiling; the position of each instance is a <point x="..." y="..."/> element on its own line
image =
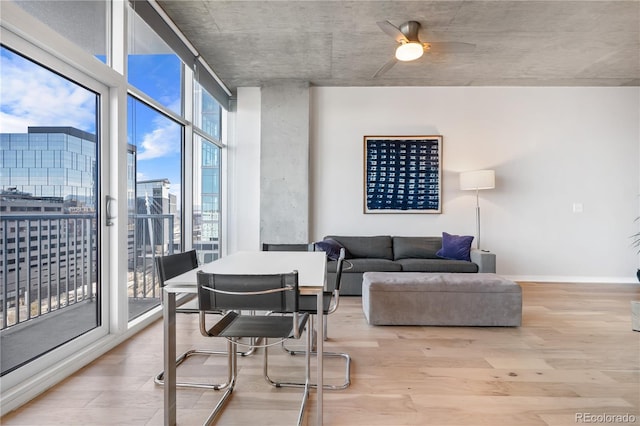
<point x="338" y="43"/>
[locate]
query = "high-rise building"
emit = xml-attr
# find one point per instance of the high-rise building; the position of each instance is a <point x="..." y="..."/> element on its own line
<point x="48" y="226"/>
<point x="206" y="214"/>
<point x="158" y="206"/>
<point x="51" y="162"/>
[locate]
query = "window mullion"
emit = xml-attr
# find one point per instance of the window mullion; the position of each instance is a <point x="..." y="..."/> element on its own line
<point x="187" y="160"/>
<point x="150" y="102"/>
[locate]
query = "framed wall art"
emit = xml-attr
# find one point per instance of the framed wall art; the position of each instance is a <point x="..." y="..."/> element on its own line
<point x="403" y="174"/>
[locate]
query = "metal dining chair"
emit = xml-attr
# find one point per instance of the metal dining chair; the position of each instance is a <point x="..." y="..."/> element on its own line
<point x="168" y="267"/>
<point x="308" y="304"/>
<point x="259" y="293"/>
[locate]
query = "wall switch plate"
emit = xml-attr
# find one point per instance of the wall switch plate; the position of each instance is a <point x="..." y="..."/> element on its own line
<point x="577" y="207"/>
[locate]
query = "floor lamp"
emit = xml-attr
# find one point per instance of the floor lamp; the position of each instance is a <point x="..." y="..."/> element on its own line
<point x="475" y="181"/>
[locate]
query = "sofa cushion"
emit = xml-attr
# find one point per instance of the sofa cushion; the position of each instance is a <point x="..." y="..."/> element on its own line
<point x="365" y="265"/>
<point x="378" y="247"/>
<point x="455" y="247"/>
<point x="416" y="247"/>
<point x="436" y="265"/>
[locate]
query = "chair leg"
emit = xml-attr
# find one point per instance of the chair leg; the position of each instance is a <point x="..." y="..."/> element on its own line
<point x="326" y="328"/>
<point x="307" y="376"/>
<point x="345" y="356"/>
<point x="324" y="323"/>
<point x="159" y="378"/>
<point x="344" y="385"/>
<point x="232" y="351"/>
<point x="254" y="342"/>
<point x="307" y="372"/>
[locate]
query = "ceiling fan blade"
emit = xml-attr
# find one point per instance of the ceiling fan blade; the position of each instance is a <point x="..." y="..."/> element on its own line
<point x="392" y="30"/>
<point x="386" y="67"/>
<point x="450" y="47"/>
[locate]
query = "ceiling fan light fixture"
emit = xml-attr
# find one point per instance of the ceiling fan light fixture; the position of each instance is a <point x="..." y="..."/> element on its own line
<point x="409" y="51"/>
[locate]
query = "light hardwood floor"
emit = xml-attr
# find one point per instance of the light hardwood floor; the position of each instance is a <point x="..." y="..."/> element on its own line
<point x="575" y="355"/>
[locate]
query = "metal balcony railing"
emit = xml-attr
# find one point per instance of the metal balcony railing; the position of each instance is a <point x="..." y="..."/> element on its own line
<point x="150" y="236"/>
<point x="48" y="262"/>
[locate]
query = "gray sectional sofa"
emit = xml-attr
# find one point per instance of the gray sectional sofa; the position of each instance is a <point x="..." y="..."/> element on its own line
<point x="386" y="253"/>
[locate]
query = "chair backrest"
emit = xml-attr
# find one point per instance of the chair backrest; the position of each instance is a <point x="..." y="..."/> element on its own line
<point x="339" y="266"/>
<point x="270" y="292"/>
<point x="286" y="247"/>
<point x="175" y="264"/>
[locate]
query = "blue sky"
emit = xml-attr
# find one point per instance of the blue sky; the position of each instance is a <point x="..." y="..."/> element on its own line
<point x="156" y="137"/>
<point x="31" y="95"/>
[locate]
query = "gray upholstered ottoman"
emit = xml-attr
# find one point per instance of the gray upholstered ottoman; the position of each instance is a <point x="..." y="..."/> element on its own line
<point x="449" y="299"/>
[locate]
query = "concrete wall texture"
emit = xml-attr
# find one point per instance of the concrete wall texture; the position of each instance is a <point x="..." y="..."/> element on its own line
<point x="284" y="163"/>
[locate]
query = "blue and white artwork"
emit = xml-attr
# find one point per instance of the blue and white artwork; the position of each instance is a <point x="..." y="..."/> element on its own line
<point x="403" y="174"/>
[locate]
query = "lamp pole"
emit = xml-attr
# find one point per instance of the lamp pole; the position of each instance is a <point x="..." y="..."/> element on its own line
<point x="477" y="180"/>
<point x="478" y="218"/>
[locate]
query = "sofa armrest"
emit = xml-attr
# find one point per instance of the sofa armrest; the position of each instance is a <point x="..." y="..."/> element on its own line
<point x="485" y="260"/>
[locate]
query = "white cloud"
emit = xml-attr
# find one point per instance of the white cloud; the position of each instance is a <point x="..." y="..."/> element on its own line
<point x="163" y="140"/>
<point x="12" y="124"/>
<point x="34" y="96"/>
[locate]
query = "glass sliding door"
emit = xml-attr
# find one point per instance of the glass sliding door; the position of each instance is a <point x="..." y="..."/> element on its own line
<point x="50" y="290"/>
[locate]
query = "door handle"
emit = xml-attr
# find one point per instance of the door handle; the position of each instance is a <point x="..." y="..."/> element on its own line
<point x="112" y="210"/>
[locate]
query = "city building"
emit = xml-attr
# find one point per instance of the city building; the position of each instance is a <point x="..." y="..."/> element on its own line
<point x="51" y="162"/>
<point x="48" y="237"/>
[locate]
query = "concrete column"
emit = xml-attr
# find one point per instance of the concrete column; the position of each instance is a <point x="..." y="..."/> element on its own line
<point x="284" y="163"/>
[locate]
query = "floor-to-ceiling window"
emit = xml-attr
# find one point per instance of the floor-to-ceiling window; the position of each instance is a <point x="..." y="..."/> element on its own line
<point x="50" y="289"/>
<point x="136" y="89"/>
<point x="155" y="207"/>
<point x="155" y="75"/>
<point x="207" y="161"/>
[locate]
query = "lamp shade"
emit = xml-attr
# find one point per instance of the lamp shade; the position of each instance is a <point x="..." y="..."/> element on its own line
<point x="478" y="179"/>
<point x="409" y="51"/>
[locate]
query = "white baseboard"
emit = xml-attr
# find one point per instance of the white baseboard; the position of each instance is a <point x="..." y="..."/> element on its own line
<point x="572" y="279"/>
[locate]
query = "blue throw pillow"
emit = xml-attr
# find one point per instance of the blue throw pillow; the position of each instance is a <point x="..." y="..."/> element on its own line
<point x="455" y="247"/>
<point x="331" y="247"/>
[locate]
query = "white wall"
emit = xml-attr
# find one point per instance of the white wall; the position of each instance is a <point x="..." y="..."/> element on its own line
<point x="550" y="148"/>
<point x="243" y="172"/>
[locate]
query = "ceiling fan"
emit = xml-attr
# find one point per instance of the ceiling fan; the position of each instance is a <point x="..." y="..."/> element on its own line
<point x="411" y="48"/>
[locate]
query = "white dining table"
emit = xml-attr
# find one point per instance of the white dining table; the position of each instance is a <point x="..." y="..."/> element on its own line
<point x="312" y="275"/>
